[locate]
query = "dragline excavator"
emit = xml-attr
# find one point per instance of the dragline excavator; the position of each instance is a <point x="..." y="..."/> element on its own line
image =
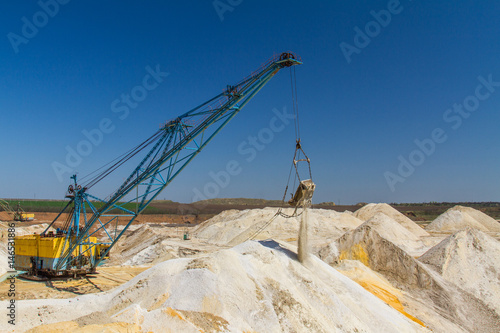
<point x="83" y="233"/>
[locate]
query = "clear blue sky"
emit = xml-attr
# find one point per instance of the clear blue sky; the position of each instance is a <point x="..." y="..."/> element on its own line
<point x="359" y="118"/>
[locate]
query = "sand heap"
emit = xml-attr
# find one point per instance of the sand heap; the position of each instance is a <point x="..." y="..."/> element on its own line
<point x="381" y="244"/>
<point x="254" y="287"/>
<point x="376" y="284"/>
<point x="470" y="260"/>
<point x="387" y="248"/>
<point x="22" y="230"/>
<point x="387" y="228"/>
<point x="368" y="211"/>
<point x="151" y="244"/>
<point x="143" y="245"/>
<point x="460" y="217"/>
<point x="233" y="227"/>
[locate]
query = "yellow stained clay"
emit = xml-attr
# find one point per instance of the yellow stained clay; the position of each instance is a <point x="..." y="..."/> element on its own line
<point x="356" y="252"/>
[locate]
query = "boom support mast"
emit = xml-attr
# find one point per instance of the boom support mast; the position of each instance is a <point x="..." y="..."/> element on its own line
<point x="173" y="146"/>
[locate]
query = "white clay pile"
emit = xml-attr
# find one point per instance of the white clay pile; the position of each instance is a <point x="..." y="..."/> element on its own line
<point x="439" y="288"/>
<point x="234" y="227"/>
<point x="369" y="210"/>
<point x="253" y="287"/>
<point x="459" y="218"/>
<point x="376" y="271"/>
<point x="470" y="259"/>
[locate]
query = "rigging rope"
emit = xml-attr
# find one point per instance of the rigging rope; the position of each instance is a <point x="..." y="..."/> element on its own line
<point x="296" y="159"/>
<point x="122" y="159"/>
<point x="295" y="109"/>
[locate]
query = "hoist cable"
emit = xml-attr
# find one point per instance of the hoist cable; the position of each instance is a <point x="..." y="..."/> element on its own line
<point x="298" y="149"/>
<point x="127" y="156"/>
<point x="296" y="103"/>
<point x="294" y="106"/>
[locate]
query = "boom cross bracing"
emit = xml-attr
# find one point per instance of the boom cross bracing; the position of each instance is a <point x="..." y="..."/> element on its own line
<point x="75" y="247"/>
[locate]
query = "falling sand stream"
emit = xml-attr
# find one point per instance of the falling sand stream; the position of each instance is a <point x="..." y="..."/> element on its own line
<point x="303" y="250"/>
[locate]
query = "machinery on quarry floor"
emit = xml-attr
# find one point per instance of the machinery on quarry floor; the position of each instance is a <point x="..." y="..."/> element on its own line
<point x="18" y="214"/>
<point x="74" y="248"/>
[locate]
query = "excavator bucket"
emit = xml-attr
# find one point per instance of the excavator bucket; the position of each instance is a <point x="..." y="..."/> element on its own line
<point x="304" y="193"/>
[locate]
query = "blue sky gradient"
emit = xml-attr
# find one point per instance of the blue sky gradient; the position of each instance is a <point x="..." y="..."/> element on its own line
<point x="360" y="113"/>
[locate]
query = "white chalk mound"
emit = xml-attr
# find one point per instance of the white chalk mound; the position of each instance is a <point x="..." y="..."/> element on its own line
<point x="442" y="305"/>
<point x="143" y="245"/>
<point x="394" y="232"/>
<point x="470" y="260"/>
<point x="254" y="287"/>
<point x="460" y="217"/>
<point x="233" y="227"/>
<point x="368" y="211"/>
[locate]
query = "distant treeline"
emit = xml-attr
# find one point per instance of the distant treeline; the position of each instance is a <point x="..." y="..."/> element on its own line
<point x="426" y="210"/>
<point x="434" y="203"/>
<point x="55" y="206"/>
